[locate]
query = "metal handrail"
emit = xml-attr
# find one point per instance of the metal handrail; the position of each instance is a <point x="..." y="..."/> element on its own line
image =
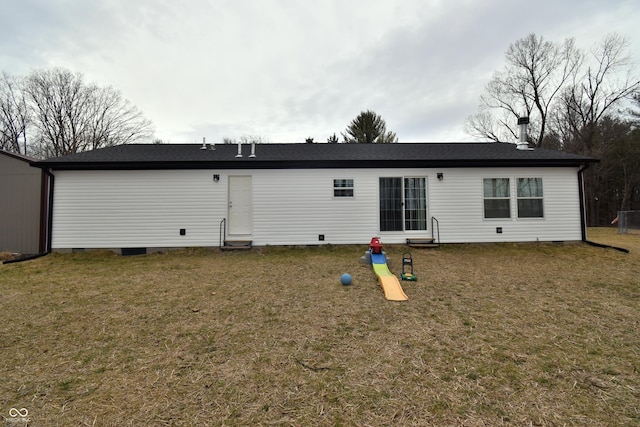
<point x="222" y="231"/>
<point x="437" y="227"/>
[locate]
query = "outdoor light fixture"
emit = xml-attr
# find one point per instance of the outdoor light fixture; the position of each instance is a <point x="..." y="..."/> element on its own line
<point x="216" y="178"/>
<point x="440" y="176"/>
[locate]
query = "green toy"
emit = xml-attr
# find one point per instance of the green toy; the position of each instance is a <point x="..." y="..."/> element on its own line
<point x="407" y="268"/>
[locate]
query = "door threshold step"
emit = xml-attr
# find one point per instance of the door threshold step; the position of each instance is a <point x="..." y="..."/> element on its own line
<point x="422" y="243"/>
<point x="237" y="245"/>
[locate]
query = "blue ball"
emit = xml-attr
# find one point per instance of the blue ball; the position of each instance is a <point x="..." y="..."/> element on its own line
<point x="345" y="279"/>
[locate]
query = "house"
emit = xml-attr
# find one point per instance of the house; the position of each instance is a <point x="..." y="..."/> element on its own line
<point x="22" y="208"/>
<point x="138" y="198"/>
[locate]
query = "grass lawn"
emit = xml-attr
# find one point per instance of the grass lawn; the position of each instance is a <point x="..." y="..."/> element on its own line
<point x="500" y="334"/>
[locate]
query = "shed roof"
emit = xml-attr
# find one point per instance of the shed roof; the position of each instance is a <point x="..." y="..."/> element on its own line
<point x="321" y="155"/>
<point x="18" y="156"/>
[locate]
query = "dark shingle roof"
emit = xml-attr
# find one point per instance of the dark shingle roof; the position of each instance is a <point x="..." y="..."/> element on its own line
<point x="286" y="156"/>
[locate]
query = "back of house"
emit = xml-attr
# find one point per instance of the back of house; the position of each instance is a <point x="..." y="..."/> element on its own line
<point x="147" y="197"/>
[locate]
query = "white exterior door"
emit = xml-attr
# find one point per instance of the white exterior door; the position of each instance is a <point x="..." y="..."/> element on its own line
<point x="240" y="205"/>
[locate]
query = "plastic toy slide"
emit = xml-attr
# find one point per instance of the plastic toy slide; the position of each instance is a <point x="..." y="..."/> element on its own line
<point x="390" y="283"/>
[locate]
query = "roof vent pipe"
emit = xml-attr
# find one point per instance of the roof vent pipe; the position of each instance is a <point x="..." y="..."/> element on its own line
<point x="204" y="144"/>
<point x="239" y="149"/>
<point x="253" y="149"/>
<point x="522" y="143"/>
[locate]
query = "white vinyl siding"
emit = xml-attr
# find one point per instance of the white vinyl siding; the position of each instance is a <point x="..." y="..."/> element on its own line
<point x="119" y="209"/>
<point x="307" y="207"/>
<point x="457" y="202"/>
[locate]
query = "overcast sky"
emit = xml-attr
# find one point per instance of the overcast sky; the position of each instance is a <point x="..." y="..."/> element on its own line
<point x="286" y="70"/>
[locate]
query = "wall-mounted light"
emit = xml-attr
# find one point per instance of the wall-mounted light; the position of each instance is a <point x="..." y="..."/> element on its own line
<point x="216" y="178"/>
<point x="440" y="176"/>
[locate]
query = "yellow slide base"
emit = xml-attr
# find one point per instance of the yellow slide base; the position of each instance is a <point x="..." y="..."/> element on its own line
<point x="390" y="283"/>
<point x="392" y="289"/>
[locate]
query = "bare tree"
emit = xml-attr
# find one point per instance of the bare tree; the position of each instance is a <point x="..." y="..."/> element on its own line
<point x="535" y="73"/>
<point x="246" y="139"/>
<point x="607" y="80"/>
<point x="486" y="125"/>
<point x="588" y="106"/>
<point x="113" y="120"/>
<point x="59" y="101"/>
<point x="14" y="115"/>
<point x="573" y="99"/>
<point x="70" y="116"/>
<point x="253" y="139"/>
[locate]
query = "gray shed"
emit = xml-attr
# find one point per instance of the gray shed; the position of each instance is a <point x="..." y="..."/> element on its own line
<point x="22" y="205"/>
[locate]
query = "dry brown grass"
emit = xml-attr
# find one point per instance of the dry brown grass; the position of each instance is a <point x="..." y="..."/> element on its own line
<point x="505" y="334"/>
<point x="4" y="255"/>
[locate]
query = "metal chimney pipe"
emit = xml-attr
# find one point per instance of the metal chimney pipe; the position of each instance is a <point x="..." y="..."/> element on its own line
<point x="239" y="149"/>
<point x="522" y="143"/>
<point x="204" y="144"/>
<point x="253" y="149"/>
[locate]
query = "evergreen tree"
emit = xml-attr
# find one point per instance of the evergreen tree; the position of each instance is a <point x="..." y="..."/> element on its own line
<point x="368" y="128"/>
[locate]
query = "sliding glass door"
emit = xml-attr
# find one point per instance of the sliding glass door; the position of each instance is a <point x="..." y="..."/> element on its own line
<point x="403" y="203"/>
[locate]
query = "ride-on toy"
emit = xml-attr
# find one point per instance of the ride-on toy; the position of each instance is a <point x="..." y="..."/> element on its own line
<point x="407" y="268"/>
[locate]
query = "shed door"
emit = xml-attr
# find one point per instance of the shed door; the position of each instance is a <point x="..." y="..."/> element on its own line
<point x="240" y="205"/>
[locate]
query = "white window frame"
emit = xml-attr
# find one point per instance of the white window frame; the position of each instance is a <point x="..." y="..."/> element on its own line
<point x="340" y="188"/>
<point x="507" y="198"/>
<point x="540" y="197"/>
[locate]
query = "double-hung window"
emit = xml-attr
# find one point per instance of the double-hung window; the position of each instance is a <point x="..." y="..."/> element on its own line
<point x="343" y="188"/>
<point x="497" y="198"/>
<point x="530" y="198"/>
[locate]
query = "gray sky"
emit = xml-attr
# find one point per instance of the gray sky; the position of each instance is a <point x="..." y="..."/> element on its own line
<point x="290" y="69"/>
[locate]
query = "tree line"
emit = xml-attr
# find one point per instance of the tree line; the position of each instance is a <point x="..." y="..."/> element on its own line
<point x="584" y="102"/>
<point x="367" y="128"/>
<point x="55" y="112"/>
